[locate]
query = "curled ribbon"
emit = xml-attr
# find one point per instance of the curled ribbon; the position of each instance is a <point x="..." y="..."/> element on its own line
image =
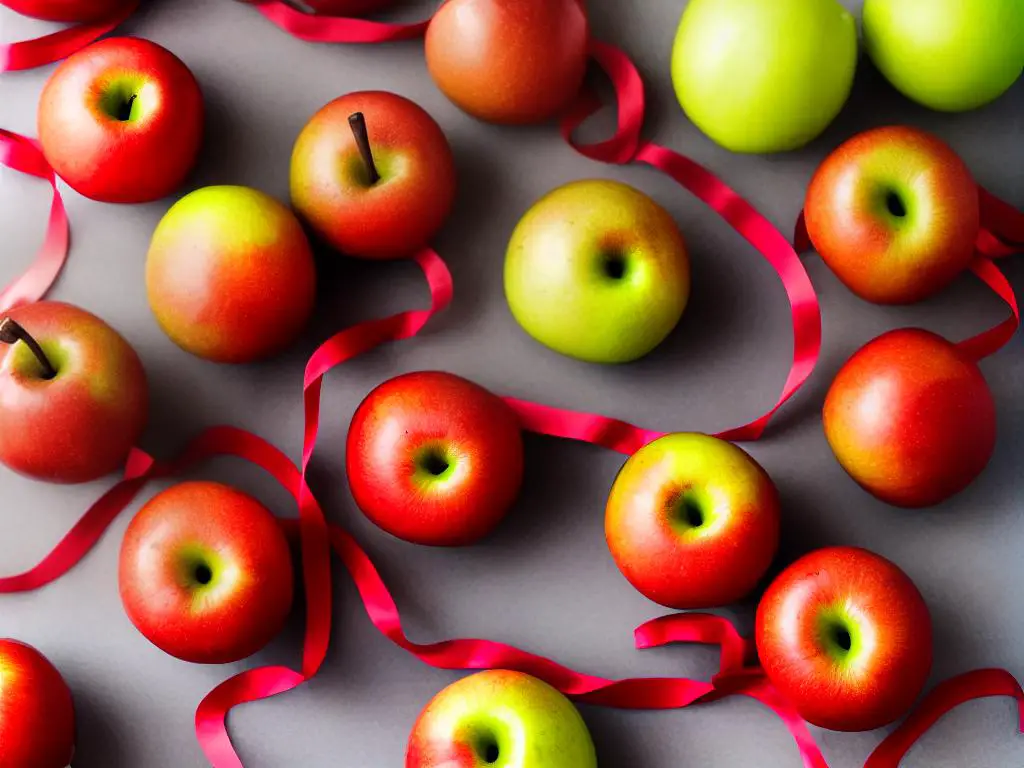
<point x="315" y="28"/>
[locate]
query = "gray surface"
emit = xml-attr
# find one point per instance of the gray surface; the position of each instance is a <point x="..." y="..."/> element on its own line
<point x="544" y="580"/>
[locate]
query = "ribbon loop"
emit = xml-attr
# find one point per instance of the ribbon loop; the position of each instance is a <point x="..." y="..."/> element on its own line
<point x="991" y="341"/>
<point x="315" y="28"/>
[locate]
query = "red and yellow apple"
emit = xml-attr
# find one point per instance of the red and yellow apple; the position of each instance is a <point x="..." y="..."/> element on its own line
<point x="65" y="10"/>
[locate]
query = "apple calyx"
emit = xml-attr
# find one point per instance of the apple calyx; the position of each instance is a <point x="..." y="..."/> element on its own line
<point x="357" y="122"/>
<point x="11" y="332"/>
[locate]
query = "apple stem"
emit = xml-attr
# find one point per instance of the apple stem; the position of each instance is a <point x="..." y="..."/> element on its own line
<point x="11" y="333"/>
<point x="357" y="123"/>
<point x="126" y="110"/>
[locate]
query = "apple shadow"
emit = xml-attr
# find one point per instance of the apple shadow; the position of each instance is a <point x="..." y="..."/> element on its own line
<point x="98" y="733"/>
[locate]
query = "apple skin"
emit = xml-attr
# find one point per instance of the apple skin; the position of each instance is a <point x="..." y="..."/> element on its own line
<point x="500" y="717"/>
<point x="435" y="459"/>
<point x="81" y="425"/>
<point x="692" y="521"/>
<point x="509" y="62"/>
<point x="948" y="55"/>
<point x="400" y="213"/>
<point x="205" y="573"/>
<point x="598" y="271"/>
<point x="230" y="274"/>
<point x="65" y="10"/>
<point x="846" y="637"/>
<point x="37" y="713"/>
<point x="742" y="70"/>
<point x="894" y="213"/>
<point x="911" y="418"/>
<point x="142" y="159"/>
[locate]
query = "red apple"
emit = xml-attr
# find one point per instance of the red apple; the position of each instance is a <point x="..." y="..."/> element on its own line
<point x="846" y="637"/>
<point x="509" y="61"/>
<point x="73" y="394"/>
<point x="434" y="459"/>
<point x="911" y="418"/>
<point x="65" y="10"/>
<point x="692" y="521"/>
<point x="205" y="573"/>
<point x="37" y="714"/>
<point x="894" y="213"/>
<point x="121" y="121"/>
<point x="230" y="274"/>
<point x="373" y="175"/>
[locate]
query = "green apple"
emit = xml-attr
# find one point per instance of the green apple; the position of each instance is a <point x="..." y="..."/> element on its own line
<point x="501" y="719"/>
<point x="949" y="55"/>
<point x="764" y="75"/>
<point x="598" y="271"/>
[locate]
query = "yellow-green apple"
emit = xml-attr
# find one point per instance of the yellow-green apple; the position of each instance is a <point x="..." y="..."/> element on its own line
<point x="433" y="458"/>
<point x="845" y="636"/>
<point x="949" y="55"/>
<point x="910" y="417"/>
<point x="760" y="76"/>
<point x="65" y="10"/>
<point x="692" y="521"/>
<point x="500" y="718"/>
<point x="598" y="271"/>
<point x="230" y="274"/>
<point x="73" y="394"/>
<point x="894" y="213"/>
<point x="205" y="573"/>
<point x="373" y="175"/>
<point x="509" y="62"/>
<point x="121" y="121"/>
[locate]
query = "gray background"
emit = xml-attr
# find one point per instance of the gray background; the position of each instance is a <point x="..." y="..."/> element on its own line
<point x="544" y="581"/>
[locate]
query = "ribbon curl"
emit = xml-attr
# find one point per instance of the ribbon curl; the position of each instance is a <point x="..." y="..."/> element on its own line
<point x="317" y="28"/>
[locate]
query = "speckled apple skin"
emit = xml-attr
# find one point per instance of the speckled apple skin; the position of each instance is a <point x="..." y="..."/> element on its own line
<point x="65" y="10"/>
<point x="675" y="564"/>
<point x="230" y="274"/>
<point x="531" y="724"/>
<point x="249" y="595"/>
<point x="889" y="660"/>
<point x="911" y="418"/>
<point x="884" y="258"/>
<point x="81" y="425"/>
<point x="511" y="63"/>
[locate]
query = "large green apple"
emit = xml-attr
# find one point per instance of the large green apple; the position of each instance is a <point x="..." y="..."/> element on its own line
<point x="764" y="75"/>
<point x="949" y="55"/>
<point x="598" y="271"/>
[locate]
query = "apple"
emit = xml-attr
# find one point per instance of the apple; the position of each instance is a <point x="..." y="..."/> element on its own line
<point x="598" y="271"/>
<point x="121" y="121"/>
<point x="761" y="77"/>
<point x="433" y="458"/>
<point x="949" y="55"/>
<point x="845" y="636"/>
<point x="509" y="61"/>
<point x="500" y="718"/>
<point x="373" y="175"/>
<point x="205" y="573"/>
<point x="230" y="274"/>
<point x="910" y="418"/>
<point x="65" y="10"/>
<point x="73" y="394"/>
<point x="692" y="521"/>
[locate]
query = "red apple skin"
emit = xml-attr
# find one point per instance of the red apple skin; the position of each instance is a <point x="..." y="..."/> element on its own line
<point x="877" y="679"/>
<point x="329" y="187"/>
<point x="103" y="158"/>
<point x="509" y="62"/>
<point x="407" y="422"/>
<point x="81" y="425"/>
<point x="248" y="595"/>
<point x="911" y="418"/>
<point x="882" y="257"/>
<point x="37" y="713"/>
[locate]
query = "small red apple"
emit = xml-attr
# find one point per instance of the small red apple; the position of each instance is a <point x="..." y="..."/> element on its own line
<point x="37" y="713"/>
<point x="509" y="61"/>
<point x="894" y="213"/>
<point x="373" y="175"/>
<point x="846" y="637"/>
<point x="65" y="10"/>
<point x="434" y="459"/>
<point x="121" y="121"/>
<point x="73" y="394"/>
<point x="910" y="418"/>
<point x="205" y="573"/>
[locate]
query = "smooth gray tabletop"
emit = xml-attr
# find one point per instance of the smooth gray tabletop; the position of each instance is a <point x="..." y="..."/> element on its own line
<point x="544" y="580"/>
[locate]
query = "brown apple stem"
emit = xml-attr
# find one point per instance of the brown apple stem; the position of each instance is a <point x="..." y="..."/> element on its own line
<point x="126" y="110"/>
<point x="357" y="123"/>
<point x="11" y="333"/>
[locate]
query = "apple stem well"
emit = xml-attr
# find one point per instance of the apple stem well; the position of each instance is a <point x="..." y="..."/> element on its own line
<point x="11" y="333"/>
<point x="357" y="122"/>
